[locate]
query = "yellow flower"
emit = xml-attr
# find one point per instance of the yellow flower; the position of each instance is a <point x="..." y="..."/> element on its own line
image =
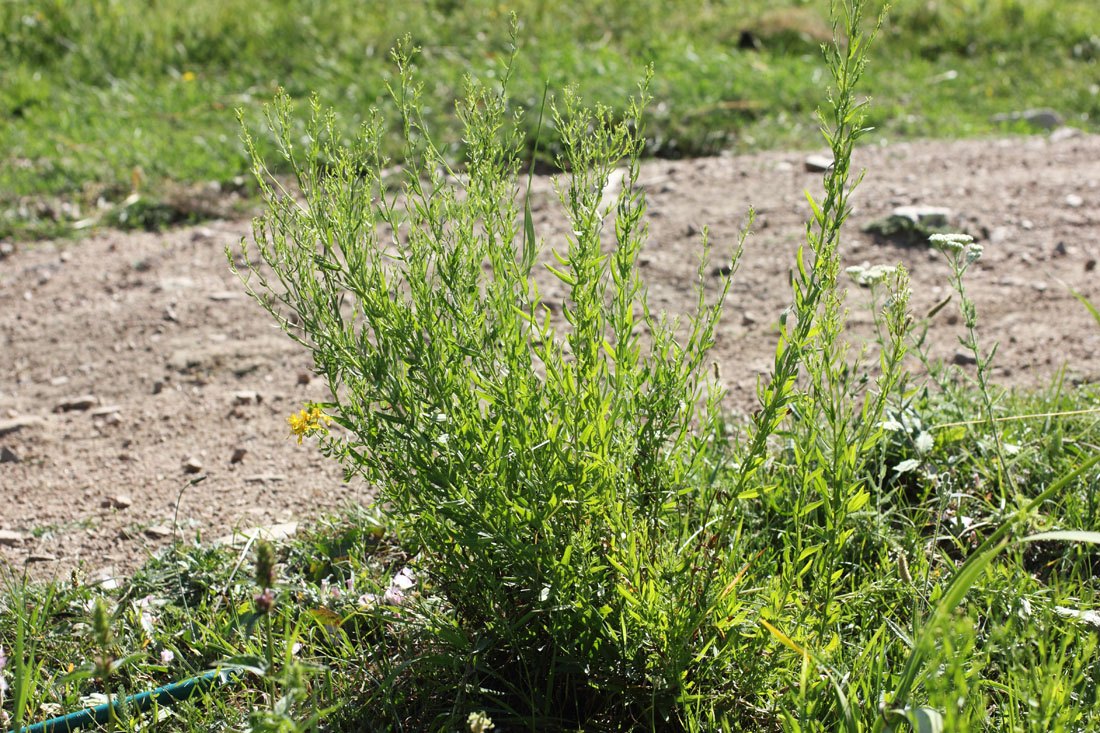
<point x="188" y="76"/>
<point x="307" y="422"/>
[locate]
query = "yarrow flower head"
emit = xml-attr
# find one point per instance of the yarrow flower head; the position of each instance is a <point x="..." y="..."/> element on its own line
<point x="308" y="422"/>
<point x="952" y="241"/>
<point x="479" y="722"/>
<point x="868" y="275"/>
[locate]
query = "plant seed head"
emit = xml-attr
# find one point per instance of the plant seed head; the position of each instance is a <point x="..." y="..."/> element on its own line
<point x="265" y="565"/>
<point x="101" y="623"/>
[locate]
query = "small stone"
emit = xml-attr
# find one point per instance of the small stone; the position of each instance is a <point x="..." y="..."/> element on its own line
<point x="6" y="249"/>
<point x="272" y="533"/>
<point x="964" y="358"/>
<point x="119" y="501"/>
<point x="1090" y="265"/>
<point x="928" y="216"/>
<point x="246" y="397"/>
<point x="1064" y="133"/>
<point x="264" y="478"/>
<point x="83" y="402"/>
<point x="58" y="381"/>
<point x="222" y="296"/>
<point x="304" y="378"/>
<point x="818" y="163"/>
<point x="170" y="314"/>
<point x="238" y="455"/>
<point x="19" y="422"/>
<point x="1074" y="201"/>
<point x="9" y="456"/>
<point x="105" y="410"/>
<point x="722" y="271"/>
<point x="42" y="557"/>
<point x="192" y="465"/>
<point x="748" y="318"/>
<point x="10" y="538"/>
<point x="158" y="387"/>
<point x="1060" y="249"/>
<point x="201" y="234"/>
<point x="107" y="581"/>
<point x="1043" y="118"/>
<point x="158" y="531"/>
<point x="112" y="419"/>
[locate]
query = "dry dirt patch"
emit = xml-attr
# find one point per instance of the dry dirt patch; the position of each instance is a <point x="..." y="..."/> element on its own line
<point x="130" y="364"/>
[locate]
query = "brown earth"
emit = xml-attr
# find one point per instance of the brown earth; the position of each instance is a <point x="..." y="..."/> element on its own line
<point x="159" y="333"/>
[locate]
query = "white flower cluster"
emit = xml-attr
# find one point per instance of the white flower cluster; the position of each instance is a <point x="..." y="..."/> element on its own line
<point x="867" y="275"/>
<point x="958" y="243"/>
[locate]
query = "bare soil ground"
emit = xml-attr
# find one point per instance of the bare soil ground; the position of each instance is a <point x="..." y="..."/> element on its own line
<point x="159" y="335"/>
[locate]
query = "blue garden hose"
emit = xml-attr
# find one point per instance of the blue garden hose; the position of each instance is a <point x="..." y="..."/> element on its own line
<point x="161" y="696"/>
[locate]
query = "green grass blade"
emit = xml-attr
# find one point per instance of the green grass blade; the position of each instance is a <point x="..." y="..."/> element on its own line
<point x="1065" y="536"/>
<point x="1092" y="309"/>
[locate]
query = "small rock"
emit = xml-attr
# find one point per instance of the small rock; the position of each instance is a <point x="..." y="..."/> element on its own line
<point x="105" y="410"/>
<point x="20" y="422"/>
<point x="1064" y="133"/>
<point x="42" y="557"/>
<point x="1060" y="249"/>
<point x="159" y="531"/>
<point x="9" y="456"/>
<point x="304" y="377"/>
<point x="222" y="296"/>
<point x="1042" y="118"/>
<point x="1090" y="265"/>
<point x="201" y="234"/>
<point x="246" y="397"/>
<point x="112" y="419"/>
<point x="998" y="235"/>
<point x="748" y="318"/>
<point x="721" y="271"/>
<point x="818" y="163"/>
<point x="83" y="402"/>
<point x="119" y="501"/>
<point x="273" y="533"/>
<point x="264" y="478"/>
<point x="928" y="216"/>
<point x="107" y="581"/>
<point x="58" y="381"/>
<point x="238" y="455"/>
<point x="964" y="358"/>
<point x="6" y="249"/>
<point x="10" y="538"/>
<point x="170" y="314"/>
<point x="192" y="465"/>
<point x="158" y="387"/>
<point x="1074" y="201"/>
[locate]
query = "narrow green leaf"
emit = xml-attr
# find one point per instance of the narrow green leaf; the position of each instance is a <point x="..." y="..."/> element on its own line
<point x="1066" y="535"/>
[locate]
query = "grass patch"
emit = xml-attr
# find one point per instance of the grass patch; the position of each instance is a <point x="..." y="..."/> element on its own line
<point x="102" y="100"/>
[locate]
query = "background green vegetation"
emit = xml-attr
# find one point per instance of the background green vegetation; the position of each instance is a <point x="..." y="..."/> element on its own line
<point x="105" y="98"/>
